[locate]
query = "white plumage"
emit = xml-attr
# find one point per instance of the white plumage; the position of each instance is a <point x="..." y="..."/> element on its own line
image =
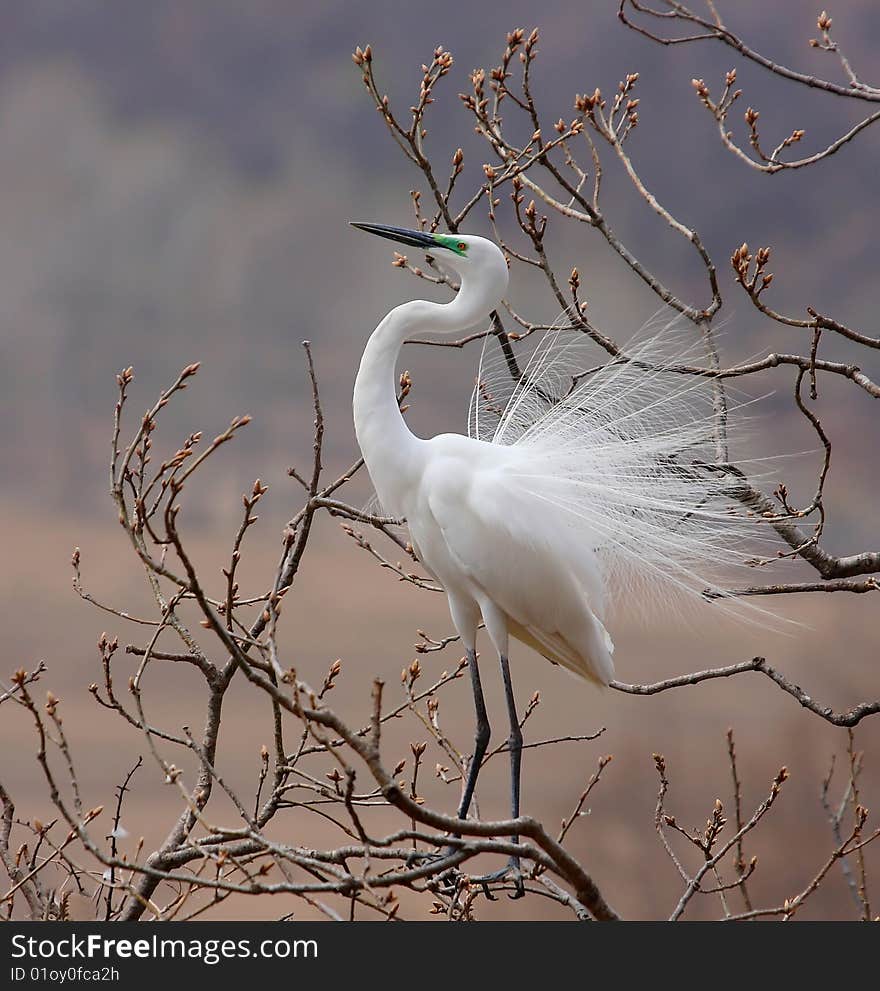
<point x="620" y="454"/>
<point x="568" y="489"/>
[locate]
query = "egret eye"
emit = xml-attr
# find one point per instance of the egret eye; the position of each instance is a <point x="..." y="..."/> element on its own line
<point x="462" y="246"/>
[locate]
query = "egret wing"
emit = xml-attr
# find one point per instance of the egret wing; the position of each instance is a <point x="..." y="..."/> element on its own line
<point x="527" y="558"/>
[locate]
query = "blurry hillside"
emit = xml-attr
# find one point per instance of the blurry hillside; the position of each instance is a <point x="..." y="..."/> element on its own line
<point x="175" y="185"/>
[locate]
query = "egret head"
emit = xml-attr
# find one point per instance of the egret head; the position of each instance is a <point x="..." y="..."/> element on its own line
<point x="474" y="258"/>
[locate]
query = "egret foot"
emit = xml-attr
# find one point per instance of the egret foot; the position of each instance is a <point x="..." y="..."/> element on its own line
<point x="449" y="877"/>
<point x="510" y="872"/>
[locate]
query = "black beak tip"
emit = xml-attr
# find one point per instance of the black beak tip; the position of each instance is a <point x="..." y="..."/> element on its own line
<point x="415" y="239"/>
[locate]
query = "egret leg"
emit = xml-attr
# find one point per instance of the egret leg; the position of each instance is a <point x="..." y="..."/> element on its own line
<point x="514" y="741"/>
<point x="514" y="744"/>
<point x="481" y="739"/>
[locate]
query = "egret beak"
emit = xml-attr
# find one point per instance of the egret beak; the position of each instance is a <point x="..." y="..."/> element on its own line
<point x="415" y="239"/>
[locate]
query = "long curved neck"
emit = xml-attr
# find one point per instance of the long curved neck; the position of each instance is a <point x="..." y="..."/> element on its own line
<point x="391" y="451"/>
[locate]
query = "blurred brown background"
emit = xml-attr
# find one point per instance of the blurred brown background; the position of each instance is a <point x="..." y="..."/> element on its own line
<point x="176" y="181"/>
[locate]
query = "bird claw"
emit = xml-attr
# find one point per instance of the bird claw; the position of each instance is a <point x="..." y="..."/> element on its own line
<point x="519" y="885"/>
<point x="510" y="872"/>
<point x="450" y="877"/>
<point x="450" y="880"/>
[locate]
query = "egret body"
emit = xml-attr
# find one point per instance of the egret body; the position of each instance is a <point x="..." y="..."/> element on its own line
<point x="502" y="556"/>
<point x="602" y="480"/>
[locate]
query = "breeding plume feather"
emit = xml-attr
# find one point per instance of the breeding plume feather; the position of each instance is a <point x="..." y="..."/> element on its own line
<point x="623" y="449"/>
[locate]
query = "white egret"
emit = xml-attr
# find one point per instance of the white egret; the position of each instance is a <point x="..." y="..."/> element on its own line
<point x="526" y="526"/>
